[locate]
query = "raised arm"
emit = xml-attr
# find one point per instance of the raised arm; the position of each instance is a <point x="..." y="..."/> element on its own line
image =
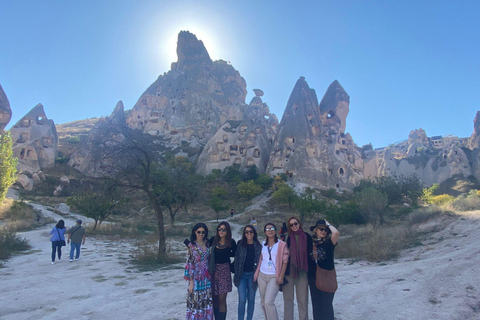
<point x="335" y="233"/>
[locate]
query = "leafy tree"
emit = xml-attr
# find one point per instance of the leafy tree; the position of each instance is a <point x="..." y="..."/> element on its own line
<point x="176" y="185"/>
<point x="133" y="159"/>
<point x="249" y="189"/>
<point x="97" y="204"/>
<point x="372" y="204"/>
<point x="428" y="193"/>
<point x="264" y="180"/>
<point x="251" y="173"/>
<point x="232" y="174"/>
<point x="285" y="194"/>
<point x="347" y="213"/>
<point x="279" y="180"/>
<point x="8" y="164"/>
<point x="217" y="201"/>
<point x="307" y="205"/>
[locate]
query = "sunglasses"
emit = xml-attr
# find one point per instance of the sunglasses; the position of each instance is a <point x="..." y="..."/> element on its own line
<point x="201" y="232"/>
<point x="270" y="229"/>
<point x="248" y="231"/>
<point x="222" y="229"/>
<point x="322" y="229"/>
<point x="293" y="224"/>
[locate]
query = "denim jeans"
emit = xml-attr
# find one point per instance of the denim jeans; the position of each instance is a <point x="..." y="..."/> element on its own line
<point x="246" y="293"/>
<point x="56" y="246"/>
<point x="74" y="246"/>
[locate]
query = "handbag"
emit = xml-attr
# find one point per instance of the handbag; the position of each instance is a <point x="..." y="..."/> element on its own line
<point x="285" y="281"/>
<point x="326" y="280"/>
<point x="62" y="242"/>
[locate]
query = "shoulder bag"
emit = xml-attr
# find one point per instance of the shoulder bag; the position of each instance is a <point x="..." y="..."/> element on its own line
<point x="325" y="280"/>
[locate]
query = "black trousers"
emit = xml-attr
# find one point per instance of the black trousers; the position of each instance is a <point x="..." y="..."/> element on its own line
<point x="322" y="302"/>
<point x="56" y="246"/>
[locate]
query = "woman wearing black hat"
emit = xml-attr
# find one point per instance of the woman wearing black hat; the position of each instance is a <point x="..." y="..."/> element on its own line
<point x="325" y="240"/>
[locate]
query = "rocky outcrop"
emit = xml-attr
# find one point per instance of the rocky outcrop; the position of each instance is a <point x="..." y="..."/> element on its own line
<point x="188" y="105"/>
<point x="87" y="158"/>
<point x="5" y="111"/>
<point x="242" y="143"/>
<point x="35" y="141"/>
<point x="312" y="146"/>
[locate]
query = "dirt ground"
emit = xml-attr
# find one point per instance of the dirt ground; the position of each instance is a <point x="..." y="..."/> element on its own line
<point x="438" y="280"/>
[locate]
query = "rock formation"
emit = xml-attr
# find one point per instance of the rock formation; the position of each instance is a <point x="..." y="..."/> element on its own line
<point x="5" y="111"/>
<point x="86" y="158"/>
<point x="189" y="104"/>
<point x="35" y="141"/>
<point x="312" y="146"/>
<point x="243" y="143"/>
<point x="198" y="110"/>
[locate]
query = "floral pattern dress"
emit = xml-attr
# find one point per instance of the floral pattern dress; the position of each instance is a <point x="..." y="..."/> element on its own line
<point x="199" y="302"/>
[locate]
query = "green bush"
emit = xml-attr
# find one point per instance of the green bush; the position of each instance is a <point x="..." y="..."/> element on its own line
<point x="10" y="243"/>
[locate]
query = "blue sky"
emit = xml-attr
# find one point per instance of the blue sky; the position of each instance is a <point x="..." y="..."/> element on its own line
<point x="405" y="64"/>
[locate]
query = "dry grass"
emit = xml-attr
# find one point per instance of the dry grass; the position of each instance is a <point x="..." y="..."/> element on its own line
<point x="20" y="216"/>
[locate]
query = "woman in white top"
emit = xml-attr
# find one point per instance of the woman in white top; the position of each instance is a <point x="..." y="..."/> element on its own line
<point x="271" y="270"/>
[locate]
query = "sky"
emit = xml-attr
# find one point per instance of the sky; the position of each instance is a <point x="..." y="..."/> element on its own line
<point x="405" y="64"/>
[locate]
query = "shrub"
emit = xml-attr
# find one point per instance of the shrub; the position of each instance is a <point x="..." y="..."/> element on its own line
<point x="372" y="204"/>
<point x="376" y="244"/>
<point x="249" y="189"/>
<point x="466" y="204"/>
<point x="441" y="200"/>
<point x="10" y="243"/>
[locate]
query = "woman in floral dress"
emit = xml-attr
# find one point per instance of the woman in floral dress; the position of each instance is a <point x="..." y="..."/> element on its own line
<point x="199" y="297"/>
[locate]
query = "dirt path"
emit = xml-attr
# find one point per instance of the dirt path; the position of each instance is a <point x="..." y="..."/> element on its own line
<point x="438" y="280"/>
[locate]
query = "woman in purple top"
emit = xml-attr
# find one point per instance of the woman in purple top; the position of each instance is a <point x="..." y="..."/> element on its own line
<point x="58" y="235"/>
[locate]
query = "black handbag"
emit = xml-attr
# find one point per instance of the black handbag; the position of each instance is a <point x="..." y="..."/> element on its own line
<point x="285" y="281"/>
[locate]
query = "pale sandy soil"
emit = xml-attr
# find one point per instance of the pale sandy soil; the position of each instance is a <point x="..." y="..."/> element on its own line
<point x="439" y="280"/>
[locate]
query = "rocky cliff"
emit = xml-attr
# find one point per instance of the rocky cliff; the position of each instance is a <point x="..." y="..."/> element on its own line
<point x="198" y="110"/>
<point x="5" y="111"/>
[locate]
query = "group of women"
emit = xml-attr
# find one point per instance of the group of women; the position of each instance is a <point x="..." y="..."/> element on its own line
<point x="292" y="266"/>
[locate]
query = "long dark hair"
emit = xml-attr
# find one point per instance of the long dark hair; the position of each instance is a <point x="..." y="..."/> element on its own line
<point x="228" y="237"/>
<point x="265" y="231"/>
<point x="193" y="236"/>
<point x="244" y="238"/>
<point x="60" y="224"/>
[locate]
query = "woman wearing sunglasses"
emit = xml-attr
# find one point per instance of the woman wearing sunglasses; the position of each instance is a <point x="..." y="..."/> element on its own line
<point x="271" y="270"/>
<point x="326" y="238"/>
<point x="247" y="256"/>
<point x="199" y="298"/>
<point x="300" y="245"/>
<point x="222" y="248"/>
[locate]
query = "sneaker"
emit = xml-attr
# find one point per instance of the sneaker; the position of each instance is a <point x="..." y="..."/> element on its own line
<point x="59" y="260"/>
<point x="53" y="262"/>
<point x="71" y="260"/>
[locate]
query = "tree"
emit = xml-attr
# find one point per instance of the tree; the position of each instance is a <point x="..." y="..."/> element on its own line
<point x="8" y="164"/>
<point x="306" y="204"/>
<point x="133" y="159"/>
<point x="176" y="185"/>
<point x="251" y="173"/>
<point x="97" y="204"/>
<point x="285" y="194"/>
<point x="249" y="189"/>
<point x="217" y="201"/>
<point x="372" y="204"/>
<point x="264" y="180"/>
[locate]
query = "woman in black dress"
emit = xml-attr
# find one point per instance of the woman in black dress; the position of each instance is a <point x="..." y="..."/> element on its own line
<point x="325" y="240"/>
<point x="222" y="248"/>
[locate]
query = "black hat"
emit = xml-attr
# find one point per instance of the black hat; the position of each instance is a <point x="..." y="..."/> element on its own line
<point x="320" y="222"/>
<point x="79" y="221"/>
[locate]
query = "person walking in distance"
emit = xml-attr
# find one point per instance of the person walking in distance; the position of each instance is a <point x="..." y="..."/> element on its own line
<point x="58" y="239"/>
<point x="76" y="234"/>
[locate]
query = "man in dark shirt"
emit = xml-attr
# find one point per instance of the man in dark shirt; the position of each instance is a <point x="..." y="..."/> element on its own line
<point x="77" y="235"/>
